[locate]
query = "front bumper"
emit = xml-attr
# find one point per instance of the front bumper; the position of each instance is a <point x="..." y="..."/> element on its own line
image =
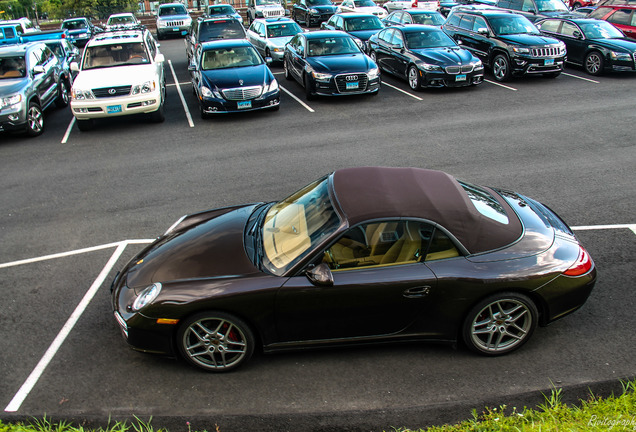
<point x="212" y="105"/>
<point x="117" y="106"/>
<point x="522" y="65"/>
<point x="13" y="118"/>
<point x="172" y="30"/>
<point x="337" y="86"/>
<point x="443" y="79"/>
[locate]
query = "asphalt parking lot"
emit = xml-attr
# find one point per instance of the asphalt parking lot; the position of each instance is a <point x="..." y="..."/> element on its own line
<point x="77" y="205"/>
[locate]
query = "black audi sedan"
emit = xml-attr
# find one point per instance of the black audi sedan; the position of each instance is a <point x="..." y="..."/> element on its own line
<point x="595" y="44"/>
<point x="425" y="56"/>
<point x="231" y="76"/>
<point x="369" y="254"/>
<point x="330" y="63"/>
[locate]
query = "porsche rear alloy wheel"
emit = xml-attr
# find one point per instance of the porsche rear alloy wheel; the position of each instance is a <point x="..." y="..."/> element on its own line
<point x="500" y="323"/>
<point x="215" y="341"/>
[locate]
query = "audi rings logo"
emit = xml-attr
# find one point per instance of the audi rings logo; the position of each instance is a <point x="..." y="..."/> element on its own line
<point x="351" y="78"/>
<point x="112" y="91"/>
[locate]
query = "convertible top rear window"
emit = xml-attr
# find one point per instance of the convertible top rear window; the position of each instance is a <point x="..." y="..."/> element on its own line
<point x="485" y="203"/>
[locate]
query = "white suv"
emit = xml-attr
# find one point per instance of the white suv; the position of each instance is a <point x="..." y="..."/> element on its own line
<point x="121" y="73"/>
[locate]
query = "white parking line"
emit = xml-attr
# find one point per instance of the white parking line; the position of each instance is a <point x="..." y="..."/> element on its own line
<point x="68" y="130"/>
<point x="402" y="91"/>
<point x="581" y="78"/>
<point x="604" y="227"/>
<point x="39" y="369"/>
<point x="183" y="102"/>
<point x="500" y="85"/>
<point x="297" y="100"/>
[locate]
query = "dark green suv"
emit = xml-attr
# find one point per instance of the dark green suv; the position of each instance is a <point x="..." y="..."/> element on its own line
<point x="508" y="43"/>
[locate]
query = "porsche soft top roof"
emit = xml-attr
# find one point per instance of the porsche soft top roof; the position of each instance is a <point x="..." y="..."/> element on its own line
<point x="368" y="193"/>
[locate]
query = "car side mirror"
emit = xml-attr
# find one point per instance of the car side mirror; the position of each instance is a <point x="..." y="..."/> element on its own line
<point x="320" y="275"/>
<point x="482" y="31"/>
<point x="192" y="67"/>
<point x="269" y="60"/>
<point x="38" y="69"/>
<point x="74" y="67"/>
<point x="160" y="58"/>
<point x="577" y="34"/>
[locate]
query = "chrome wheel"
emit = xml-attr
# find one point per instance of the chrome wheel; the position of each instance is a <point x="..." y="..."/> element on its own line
<point x="216" y="342"/>
<point x="414" y="78"/>
<point x="594" y="63"/>
<point x="35" y="120"/>
<point x="500" y="324"/>
<point x="501" y="68"/>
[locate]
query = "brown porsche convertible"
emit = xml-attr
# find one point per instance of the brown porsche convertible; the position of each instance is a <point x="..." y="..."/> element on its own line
<point x="362" y="255"/>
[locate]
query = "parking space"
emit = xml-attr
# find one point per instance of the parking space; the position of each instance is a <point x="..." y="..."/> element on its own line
<point x="565" y="141"/>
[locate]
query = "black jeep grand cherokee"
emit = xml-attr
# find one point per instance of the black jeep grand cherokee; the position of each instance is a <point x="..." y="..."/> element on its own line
<point x="506" y="42"/>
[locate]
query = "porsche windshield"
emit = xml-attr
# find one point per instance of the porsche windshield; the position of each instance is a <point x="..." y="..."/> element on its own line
<point x="294" y="226"/>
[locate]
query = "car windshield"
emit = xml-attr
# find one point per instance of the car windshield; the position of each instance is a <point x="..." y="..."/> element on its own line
<point x="12" y="67"/>
<point x="364" y="3"/>
<point x="319" y="2"/>
<point x="226" y="29"/>
<point x="433" y="19"/>
<point x="267" y="2"/>
<point x="551" y="6"/>
<point x="172" y="10"/>
<point x="428" y="39"/>
<point x="102" y="56"/>
<point x="295" y="225"/>
<point x="283" y="30"/>
<point x="221" y="10"/>
<point x="56" y="47"/>
<point x="121" y="20"/>
<point x="332" y="46"/>
<point x="74" y="25"/>
<point x="224" y="58"/>
<point x="363" y="23"/>
<point x="512" y="24"/>
<point x="600" y="30"/>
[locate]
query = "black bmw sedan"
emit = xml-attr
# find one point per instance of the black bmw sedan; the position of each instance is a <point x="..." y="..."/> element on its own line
<point x="231" y="76"/>
<point x="425" y="56"/>
<point x="330" y="63"/>
<point x="368" y="254"/>
<point x="595" y="44"/>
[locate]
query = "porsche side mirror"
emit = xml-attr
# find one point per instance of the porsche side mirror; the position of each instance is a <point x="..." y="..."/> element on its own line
<point x="320" y="275"/>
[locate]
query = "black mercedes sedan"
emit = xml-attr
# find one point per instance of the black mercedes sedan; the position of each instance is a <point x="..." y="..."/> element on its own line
<point x="369" y="254"/>
<point x="595" y="44"/>
<point x="330" y="63"/>
<point x="425" y="56"/>
<point x="231" y="76"/>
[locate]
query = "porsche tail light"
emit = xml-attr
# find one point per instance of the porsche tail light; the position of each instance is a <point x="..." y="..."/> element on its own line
<point x="582" y="265"/>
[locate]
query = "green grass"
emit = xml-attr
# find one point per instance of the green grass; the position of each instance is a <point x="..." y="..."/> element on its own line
<point x="596" y="414"/>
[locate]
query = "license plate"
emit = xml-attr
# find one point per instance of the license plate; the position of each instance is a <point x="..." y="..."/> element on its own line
<point x="245" y="104"/>
<point x="113" y="109"/>
<point x="175" y="29"/>
<point x="549" y="62"/>
<point x="460" y="78"/>
<point x="352" y="85"/>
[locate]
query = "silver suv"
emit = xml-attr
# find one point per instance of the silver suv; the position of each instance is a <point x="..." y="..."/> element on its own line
<point x="31" y="79"/>
<point x="172" y="19"/>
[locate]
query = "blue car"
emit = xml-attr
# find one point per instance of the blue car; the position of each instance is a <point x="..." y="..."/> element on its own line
<point x="330" y="63"/>
<point x="231" y="76"/>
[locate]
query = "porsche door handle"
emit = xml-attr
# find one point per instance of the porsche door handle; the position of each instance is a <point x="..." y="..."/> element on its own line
<point x="417" y="292"/>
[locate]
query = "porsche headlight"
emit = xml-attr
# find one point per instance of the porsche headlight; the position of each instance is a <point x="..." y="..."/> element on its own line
<point x="10" y="101"/>
<point x="147" y="296"/>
